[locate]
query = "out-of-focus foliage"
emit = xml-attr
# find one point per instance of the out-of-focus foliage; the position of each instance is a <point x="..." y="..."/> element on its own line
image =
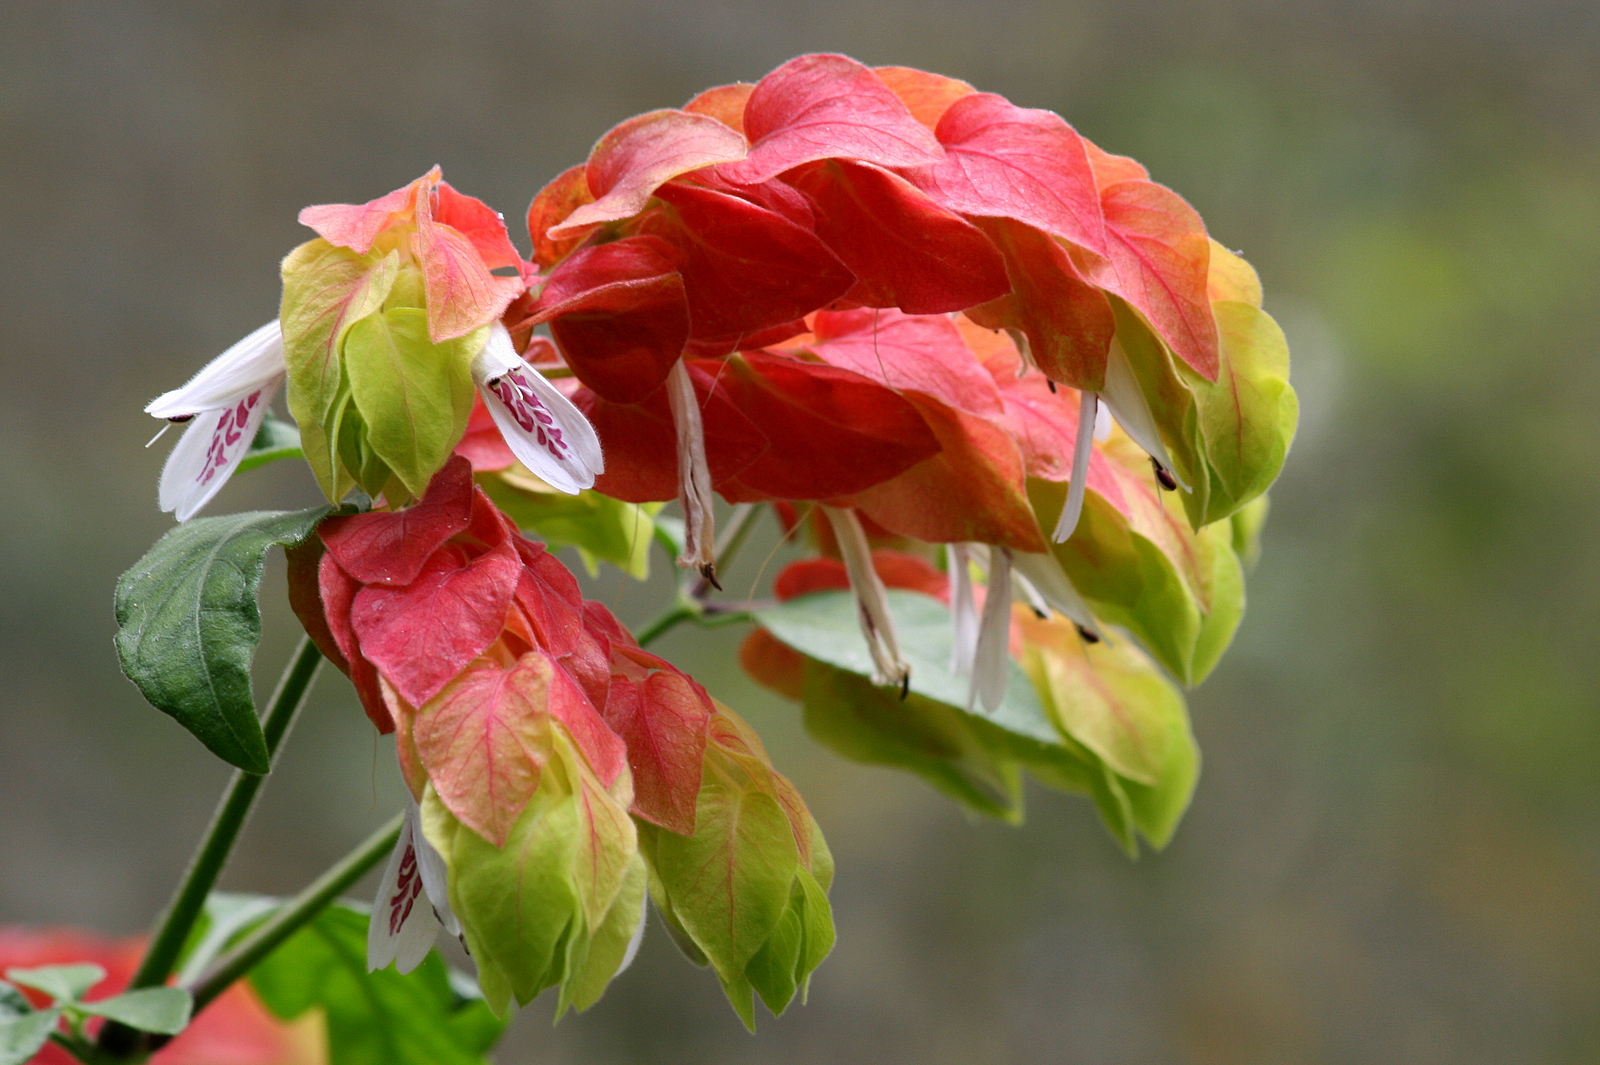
<point x="1392" y="853"/>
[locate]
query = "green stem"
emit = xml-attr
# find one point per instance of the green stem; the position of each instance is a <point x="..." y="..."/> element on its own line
<point x="296" y="913"/>
<point x="665" y="622"/>
<point x="212" y="854"/>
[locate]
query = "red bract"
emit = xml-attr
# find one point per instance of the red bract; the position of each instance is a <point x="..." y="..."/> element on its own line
<point x="776" y="427"/>
<point x="474" y="643"/>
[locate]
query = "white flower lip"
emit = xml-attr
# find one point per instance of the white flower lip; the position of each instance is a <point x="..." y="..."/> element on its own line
<point x="404" y="924"/>
<point x="248" y="365"/>
<point x="224" y="404"/>
<point x="544" y="430"/>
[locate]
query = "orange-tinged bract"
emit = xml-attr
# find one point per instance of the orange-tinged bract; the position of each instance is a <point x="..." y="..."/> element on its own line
<point x="1019" y="404"/>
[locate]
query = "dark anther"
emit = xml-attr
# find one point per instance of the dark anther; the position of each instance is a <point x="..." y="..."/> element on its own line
<point x="179" y="419"/>
<point x="1042" y="615"/>
<point x="1085" y="635"/>
<point x="905" y="687"/>
<point x="1052" y="385"/>
<point x="1164" y="475"/>
<point x="709" y="572"/>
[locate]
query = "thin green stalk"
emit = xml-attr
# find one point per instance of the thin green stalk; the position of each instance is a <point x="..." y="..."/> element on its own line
<point x="294" y="914"/>
<point x="189" y="899"/>
<point x="665" y="622"/>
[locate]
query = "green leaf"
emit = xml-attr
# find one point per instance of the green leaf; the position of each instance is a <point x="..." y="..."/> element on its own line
<point x="276" y="439"/>
<point x="858" y="720"/>
<point x="64" y="983"/>
<point x="21" y="1037"/>
<point x="601" y="528"/>
<point x="190" y="623"/>
<point x="415" y="395"/>
<point x="13" y="1002"/>
<point x="379" y="1018"/>
<point x="164" y="1010"/>
<point x="825" y="626"/>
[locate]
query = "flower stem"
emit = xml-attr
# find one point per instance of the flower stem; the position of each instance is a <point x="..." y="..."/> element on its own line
<point x="296" y="913"/>
<point x="691" y="604"/>
<point x="189" y="899"/>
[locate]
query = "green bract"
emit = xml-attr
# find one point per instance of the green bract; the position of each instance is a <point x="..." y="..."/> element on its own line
<point x="550" y="907"/>
<point x="747" y="893"/>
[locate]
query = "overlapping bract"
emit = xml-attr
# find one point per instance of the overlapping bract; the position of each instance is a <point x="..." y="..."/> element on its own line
<point x="1037" y="408"/>
<point x="541" y="740"/>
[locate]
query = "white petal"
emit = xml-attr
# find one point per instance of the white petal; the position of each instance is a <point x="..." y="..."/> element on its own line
<point x="1127" y="401"/>
<point x="403" y="926"/>
<point x="1081" y="449"/>
<point x="1045" y="574"/>
<point x="243" y="368"/>
<point x="210" y="450"/>
<point x="963" y="611"/>
<point x="694" y="474"/>
<point x="435" y="874"/>
<point x="994" y="634"/>
<point x="541" y="426"/>
<point x="872" y="599"/>
<point x="638" y="937"/>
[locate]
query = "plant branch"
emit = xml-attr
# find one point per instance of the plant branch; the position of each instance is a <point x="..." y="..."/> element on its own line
<point x="296" y="913"/>
<point x="212" y="854"/>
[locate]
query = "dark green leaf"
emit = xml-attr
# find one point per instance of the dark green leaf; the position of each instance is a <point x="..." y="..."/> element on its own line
<point x="21" y="1037"/>
<point x="64" y="983"/>
<point x="379" y="1018"/>
<point x="190" y="624"/>
<point x="164" y="1010"/>
<point x="12" y="1002"/>
<point x="276" y="439"/>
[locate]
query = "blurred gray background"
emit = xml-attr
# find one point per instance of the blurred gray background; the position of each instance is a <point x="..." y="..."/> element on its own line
<point x="1394" y="853"/>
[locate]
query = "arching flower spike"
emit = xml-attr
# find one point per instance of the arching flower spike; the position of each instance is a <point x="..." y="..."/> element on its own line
<point x="223" y="406"/>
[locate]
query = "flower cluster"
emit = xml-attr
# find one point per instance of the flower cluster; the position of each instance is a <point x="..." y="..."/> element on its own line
<point x="1028" y="407"/>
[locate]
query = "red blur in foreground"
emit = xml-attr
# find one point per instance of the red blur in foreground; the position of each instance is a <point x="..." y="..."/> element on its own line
<point x="234" y="1030"/>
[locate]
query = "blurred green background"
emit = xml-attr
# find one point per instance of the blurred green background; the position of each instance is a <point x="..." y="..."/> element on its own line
<point x="1394" y="853"/>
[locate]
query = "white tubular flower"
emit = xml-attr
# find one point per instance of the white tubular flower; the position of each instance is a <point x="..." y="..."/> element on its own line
<point x="1046" y="580"/>
<point x="872" y="600"/>
<point x="963" y="610"/>
<point x="1082" y="446"/>
<point x="412" y="903"/>
<point x="694" y="476"/>
<point x="544" y="430"/>
<point x="994" y="634"/>
<point x="223" y="405"/>
<point x="1127" y="402"/>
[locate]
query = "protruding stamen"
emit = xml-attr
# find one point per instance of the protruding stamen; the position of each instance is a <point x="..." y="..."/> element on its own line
<point x="1082" y="446"/>
<point x="994" y="634"/>
<point x="1036" y="602"/>
<point x="1044" y="574"/>
<point x="694" y="476"/>
<point x="963" y="610"/>
<point x="1086" y="635"/>
<point x="1163" y="475"/>
<point x="872" y="600"/>
<point x="1127" y="401"/>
